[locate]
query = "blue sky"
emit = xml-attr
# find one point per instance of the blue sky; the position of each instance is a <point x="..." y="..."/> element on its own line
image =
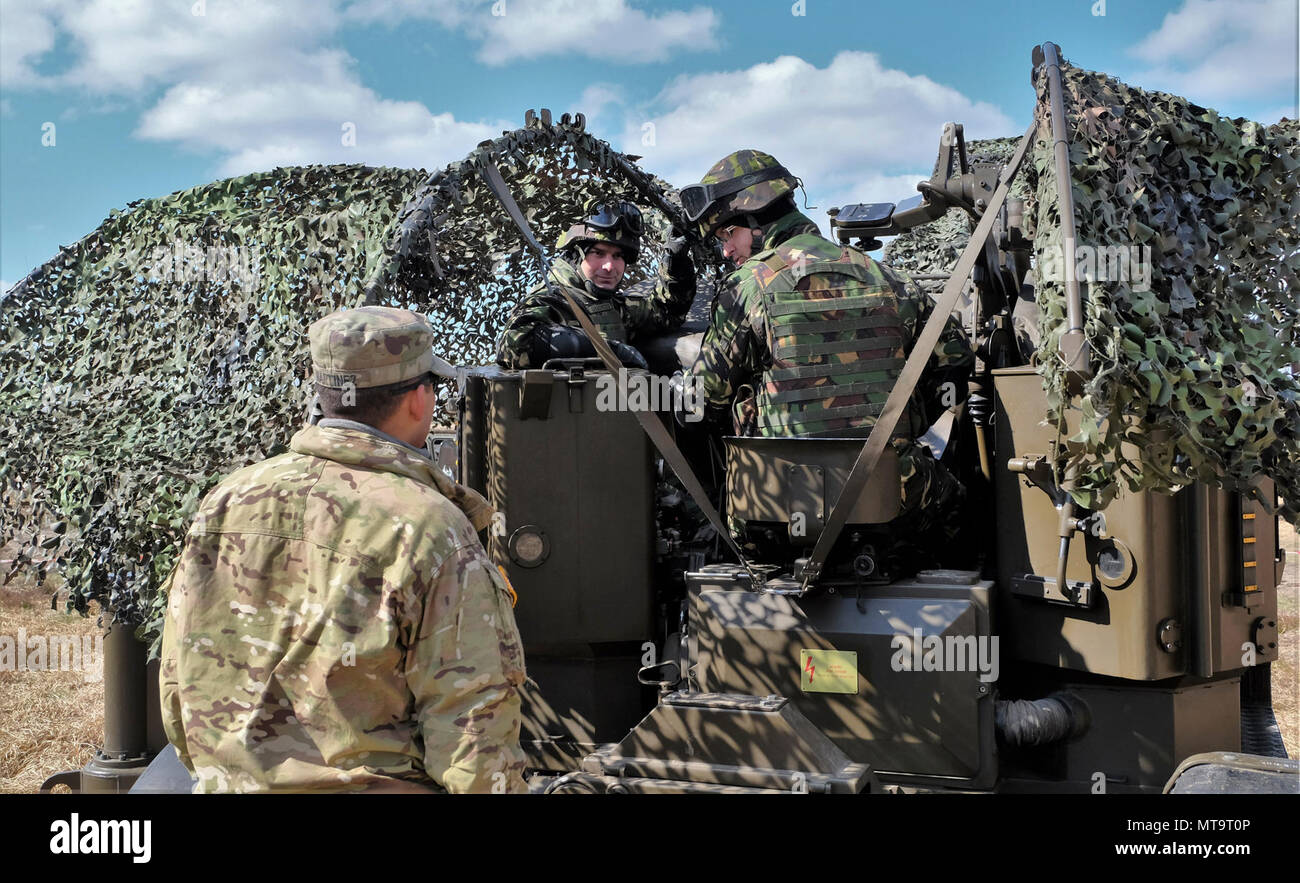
<point x="151" y="96"/>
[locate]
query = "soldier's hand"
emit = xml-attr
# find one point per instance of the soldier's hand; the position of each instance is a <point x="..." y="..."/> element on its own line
<point x="688" y="407"/>
<point x="678" y="251"/>
<point x="628" y="355"/>
<point x="562" y="342"/>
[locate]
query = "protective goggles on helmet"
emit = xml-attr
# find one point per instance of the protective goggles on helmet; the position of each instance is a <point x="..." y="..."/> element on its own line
<point x="697" y="198"/>
<point x="615" y="214"/>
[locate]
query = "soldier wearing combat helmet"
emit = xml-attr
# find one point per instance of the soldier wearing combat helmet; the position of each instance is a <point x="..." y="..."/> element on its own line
<point x="333" y="623"/>
<point x="807" y="337"/>
<point x="593" y="258"/>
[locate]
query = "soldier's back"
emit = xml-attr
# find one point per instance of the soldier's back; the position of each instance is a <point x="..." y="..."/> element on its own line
<point x="298" y="591"/>
<point x="829" y="320"/>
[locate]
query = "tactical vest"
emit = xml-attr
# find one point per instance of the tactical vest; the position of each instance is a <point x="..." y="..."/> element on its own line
<point x="605" y="315"/>
<point x="836" y="338"/>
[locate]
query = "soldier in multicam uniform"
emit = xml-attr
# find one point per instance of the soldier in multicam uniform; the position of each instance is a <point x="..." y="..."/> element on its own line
<point x="807" y="337"/>
<point x="594" y="256"/>
<point x="333" y="623"/>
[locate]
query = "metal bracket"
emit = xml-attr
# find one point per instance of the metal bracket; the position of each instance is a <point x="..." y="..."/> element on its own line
<point x="535" y="394"/>
<point x="1031" y="585"/>
<point x="1263" y="634"/>
<point x="577" y="379"/>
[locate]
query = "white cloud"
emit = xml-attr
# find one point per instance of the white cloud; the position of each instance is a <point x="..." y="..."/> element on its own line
<point x="252" y="81"/>
<point x="300" y="119"/>
<point x="129" y="45"/>
<point x="854" y="130"/>
<point x="609" y="30"/>
<point x="28" y="34"/>
<point x="260" y="85"/>
<point x="511" y="30"/>
<point x="1226" y="50"/>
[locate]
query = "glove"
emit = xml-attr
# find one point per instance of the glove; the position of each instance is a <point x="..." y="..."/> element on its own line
<point x="678" y="251"/>
<point x="560" y="342"/>
<point x="628" y="355"/>
<point x="687" y="406"/>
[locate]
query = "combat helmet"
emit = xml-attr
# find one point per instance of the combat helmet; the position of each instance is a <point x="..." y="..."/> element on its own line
<point x="741" y="184"/>
<point x="617" y="223"/>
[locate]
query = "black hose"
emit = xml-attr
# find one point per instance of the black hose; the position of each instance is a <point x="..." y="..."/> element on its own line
<point x="1023" y="722"/>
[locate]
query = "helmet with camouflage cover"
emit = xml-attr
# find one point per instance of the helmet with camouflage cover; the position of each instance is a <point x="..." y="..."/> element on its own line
<point x="615" y="223"/>
<point x="744" y="183"/>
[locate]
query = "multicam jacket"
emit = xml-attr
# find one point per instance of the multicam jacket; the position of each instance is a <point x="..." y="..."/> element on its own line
<point x="623" y="317"/>
<point x="808" y="337"/>
<point x="335" y="625"/>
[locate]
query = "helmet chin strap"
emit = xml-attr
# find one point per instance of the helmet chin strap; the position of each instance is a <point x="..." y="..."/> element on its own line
<point x="756" y="243"/>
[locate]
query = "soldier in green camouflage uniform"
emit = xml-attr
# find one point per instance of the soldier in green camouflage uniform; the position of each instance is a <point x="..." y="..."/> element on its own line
<point x="333" y="623"/>
<point x="807" y="337"/>
<point x="590" y="267"/>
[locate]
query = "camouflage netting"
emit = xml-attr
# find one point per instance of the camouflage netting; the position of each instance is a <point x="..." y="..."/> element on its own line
<point x="169" y="346"/>
<point x="1194" y="375"/>
<point x="1196" y="346"/>
<point x="936" y="247"/>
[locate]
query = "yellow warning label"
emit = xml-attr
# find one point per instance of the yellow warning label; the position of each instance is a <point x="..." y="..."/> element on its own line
<point x="828" y="671"/>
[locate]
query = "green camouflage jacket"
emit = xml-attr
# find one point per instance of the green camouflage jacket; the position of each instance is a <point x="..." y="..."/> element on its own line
<point x="623" y="317"/>
<point x="334" y="624"/>
<point x="807" y="338"/>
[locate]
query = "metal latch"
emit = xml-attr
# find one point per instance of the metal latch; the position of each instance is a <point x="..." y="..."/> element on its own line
<point x="535" y="394"/>
<point x="577" y="378"/>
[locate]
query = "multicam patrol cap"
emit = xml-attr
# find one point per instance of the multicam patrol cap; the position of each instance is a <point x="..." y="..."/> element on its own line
<point x="741" y="183"/>
<point x="370" y="346"/>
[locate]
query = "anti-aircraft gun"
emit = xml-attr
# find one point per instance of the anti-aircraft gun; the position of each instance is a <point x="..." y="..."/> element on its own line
<point x="1073" y="650"/>
<point x="1064" y="649"/>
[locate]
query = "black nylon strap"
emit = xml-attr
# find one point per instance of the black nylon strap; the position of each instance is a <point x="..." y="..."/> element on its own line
<point x="649" y="421"/>
<point x="922" y="348"/>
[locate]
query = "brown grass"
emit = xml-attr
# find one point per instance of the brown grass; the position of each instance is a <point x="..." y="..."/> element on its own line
<point x="50" y="721"/>
<point x="1286" y="671"/>
<point x="53" y="721"/>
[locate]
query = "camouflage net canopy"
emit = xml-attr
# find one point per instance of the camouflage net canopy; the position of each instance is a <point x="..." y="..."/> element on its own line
<point x="1189" y="261"/>
<point x="1195" y="349"/>
<point x="169" y="347"/>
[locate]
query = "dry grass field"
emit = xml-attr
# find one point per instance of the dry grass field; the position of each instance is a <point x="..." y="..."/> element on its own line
<point x="1286" y="671"/>
<point x="52" y="721"/>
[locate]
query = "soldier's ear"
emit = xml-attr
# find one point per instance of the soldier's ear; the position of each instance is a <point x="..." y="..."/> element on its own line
<point x="417" y="400"/>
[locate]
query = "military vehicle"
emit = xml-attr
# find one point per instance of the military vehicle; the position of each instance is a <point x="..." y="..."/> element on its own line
<point x="1122" y="650"/>
<point x="1067" y="650"/>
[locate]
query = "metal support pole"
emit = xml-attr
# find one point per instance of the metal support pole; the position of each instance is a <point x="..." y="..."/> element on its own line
<point x="1073" y="345"/>
<point x="125" y="754"/>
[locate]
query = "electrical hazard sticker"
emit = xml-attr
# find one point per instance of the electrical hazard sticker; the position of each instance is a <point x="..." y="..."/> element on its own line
<point x="828" y="671"/>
